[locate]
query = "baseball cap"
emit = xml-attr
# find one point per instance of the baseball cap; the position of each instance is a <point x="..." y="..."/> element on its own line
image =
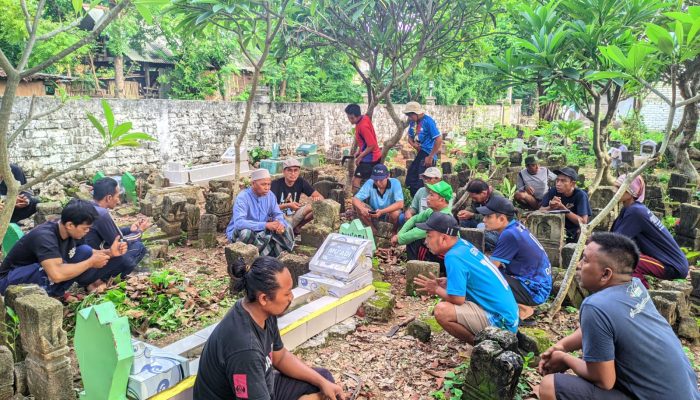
<point x="568" y="171"/>
<point x="497" y="204"/>
<point x="413" y="107"/>
<point x="529" y="160"/>
<point x="440" y="222"/>
<point x="291" y="162"/>
<point x="432" y="172"/>
<point x="442" y="188"/>
<point x="379" y="172"/>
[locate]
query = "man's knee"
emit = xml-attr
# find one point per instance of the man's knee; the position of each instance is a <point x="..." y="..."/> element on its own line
<point x="547" y="387"/>
<point x="244" y="236"/>
<point x="444" y="312"/>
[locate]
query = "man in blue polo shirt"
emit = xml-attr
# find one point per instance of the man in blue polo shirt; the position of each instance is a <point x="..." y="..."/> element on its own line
<point x="380" y="198"/>
<point x="475" y="295"/>
<point x="424" y="136"/>
<point x="519" y="255"/>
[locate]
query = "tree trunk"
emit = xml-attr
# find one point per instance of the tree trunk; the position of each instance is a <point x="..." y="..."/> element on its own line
<point x="283" y="90"/>
<point x="401" y="126"/>
<point x="119" y="76"/>
<point x="244" y="127"/>
<point x="8" y="100"/>
<point x="684" y="134"/>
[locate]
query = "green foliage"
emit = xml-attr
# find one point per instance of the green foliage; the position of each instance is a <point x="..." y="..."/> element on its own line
<point x="166" y="278"/>
<point x="407" y="197"/>
<point x="11" y="334"/>
<point x="508" y="189"/>
<point x="670" y="223"/>
<point x="691" y="357"/>
<point x="257" y="154"/>
<point x="571" y="309"/>
<point x="117" y="135"/>
<point x="452" y="386"/>
<point x="523" y="389"/>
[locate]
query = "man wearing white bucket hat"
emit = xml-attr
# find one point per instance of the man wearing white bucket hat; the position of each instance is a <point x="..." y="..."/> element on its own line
<point x="424" y="136"/>
<point x="258" y="220"/>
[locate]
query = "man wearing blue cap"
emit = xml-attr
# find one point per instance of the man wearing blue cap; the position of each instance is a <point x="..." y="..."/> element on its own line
<point x="475" y="294"/>
<point x="380" y="198"/>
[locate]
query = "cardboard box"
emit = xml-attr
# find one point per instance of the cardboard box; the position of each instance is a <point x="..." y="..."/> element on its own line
<point x="154" y="371"/>
<point x="334" y="287"/>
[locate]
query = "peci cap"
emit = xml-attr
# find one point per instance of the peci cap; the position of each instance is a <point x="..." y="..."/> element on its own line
<point x="432" y="172"/>
<point x="291" y="162"/>
<point x="567" y="171"/>
<point x="413" y="107"/>
<point x="260" y="173"/>
<point x="379" y="172"/>
<point x="442" y="188"/>
<point x="440" y="222"/>
<point x="497" y="205"/>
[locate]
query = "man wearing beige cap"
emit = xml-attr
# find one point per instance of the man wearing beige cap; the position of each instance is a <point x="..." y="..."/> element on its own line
<point x="288" y="191"/>
<point x="258" y="220"/>
<point x="424" y="136"/>
<point x="419" y="203"/>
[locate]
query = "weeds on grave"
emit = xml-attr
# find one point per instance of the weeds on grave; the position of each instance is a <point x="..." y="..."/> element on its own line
<point x="10" y="337"/>
<point x="526" y="380"/>
<point x="670" y="223"/>
<point x="258" y="154"/>
<point x="452" y="386"/>
<point x="571" y="309"/>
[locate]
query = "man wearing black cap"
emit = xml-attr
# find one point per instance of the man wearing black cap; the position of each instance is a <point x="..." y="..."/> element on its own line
<point x="519" y="255"/>
<point x="566" y="197"/>
<point x="532" y="183"/>
<point x="475" y="295"/>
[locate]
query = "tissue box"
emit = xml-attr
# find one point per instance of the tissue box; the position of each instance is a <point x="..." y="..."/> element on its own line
<point x="334" y="287"/>
<point x="154" y="371"/>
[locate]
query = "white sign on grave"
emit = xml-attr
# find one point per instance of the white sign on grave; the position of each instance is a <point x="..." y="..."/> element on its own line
<point x="341" y="257"/>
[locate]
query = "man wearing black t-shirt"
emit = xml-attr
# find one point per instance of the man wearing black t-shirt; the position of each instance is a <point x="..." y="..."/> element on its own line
<point x="245" y="358"/>
<point x="565" y="196"/>
<point x="52" y="254"/>
<point x="288" y="190"/>
<point x="25" y="206"/>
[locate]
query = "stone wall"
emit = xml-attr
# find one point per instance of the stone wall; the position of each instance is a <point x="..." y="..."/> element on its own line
<point x="199" y="132"/>
<point x="655" y="111"/>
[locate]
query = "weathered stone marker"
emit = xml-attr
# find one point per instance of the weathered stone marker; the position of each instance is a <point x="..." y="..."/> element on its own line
<point x="549" y="231"/>
<point x="415" y="268"/>
<point x="7" y="377"/>
<point x="495" y="366"/>
<point x="105" y="355"/>
<point x="207" y="231"/>
<point x="326" y="212"/>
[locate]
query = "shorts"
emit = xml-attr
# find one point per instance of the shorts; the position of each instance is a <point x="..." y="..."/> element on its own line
<point x="522" y="296"/>
<point x="472" y="317"/>
<point x="572" y="387"/>
<point x="364" y="170"/>
<point x="287" y="388"/>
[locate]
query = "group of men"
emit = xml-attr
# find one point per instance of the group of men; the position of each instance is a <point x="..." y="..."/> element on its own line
<point x="622" y="337"/>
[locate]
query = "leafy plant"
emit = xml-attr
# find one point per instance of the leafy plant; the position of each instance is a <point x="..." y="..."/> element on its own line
<point x="115" y="135"/>
<point x="691" y="357"/>
<point x="523" y="388"/>
<point x="258" y="154"/>
<point x="571" y="309"/>
<point x="670" y="222"/>
<point x="452" y="386"/>
<point x="508" y="189"/>
<point x="11" y="334"/>
<point x="165" y="278"/>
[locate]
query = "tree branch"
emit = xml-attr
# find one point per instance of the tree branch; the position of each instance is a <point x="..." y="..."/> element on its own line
<point x="30" y="117"/>
<point x="27" y="17"/>
<point x="32" y="37"/>
<point x="58" y="31"/>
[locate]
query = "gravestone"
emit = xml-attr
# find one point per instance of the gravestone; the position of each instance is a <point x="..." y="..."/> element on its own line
<point x="207" y="231"/>
<point x="190" y="223"/>
<point x="48" y="366"/>
<point x="474" y="236"/>
<point x="495" y="365"/>
<point x="326" y="212"/>
<point x="324" y="187"/>
<point x="452" y="180"/>
<point x="129" y="184"/>
<point x="397" y="172"/>
<point x="549" y="231"/>
<point x="7" y="378"/>
<point x="247" y="252"/>
<point x="172" y="215"/>
<point x="152" y="203"/>
<point x="419" y="330"/>
<point x="576" y="294"/>
<point x="222" y="185"/>
<point x="678" y="180"/>
<point x="104" y="352"/>
<point x="681" y="195"/>
<point x="380" y="307"/>
<point x="516" y="158"/>
<point x="219" y="204"/>
<point x="338" y="195"/>
<point x="687" y="233"/>
<point x="356" y="229"/>
<point x="415" y="268"/>
<point x="446" y="167"/>
<point x="599" y="200"/>
<point x="47" y="211"/>
<point x="310" y="175"/>
<point x="555" y="161"/>
<point x="313" y="235"/>
<point x="654" y="198"/>
<point x="297" y="265"/>
<point x="627" y="157"/>
<point x="12" y="236"/>
<point x="647" y="148"/>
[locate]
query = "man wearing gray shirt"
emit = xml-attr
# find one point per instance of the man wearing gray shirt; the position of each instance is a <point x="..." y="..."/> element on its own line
<point x="532" y="183"/>
<point x="628" y="350"/>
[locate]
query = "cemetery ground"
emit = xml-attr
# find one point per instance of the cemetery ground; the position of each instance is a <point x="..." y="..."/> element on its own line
<point x="184" y="288"/>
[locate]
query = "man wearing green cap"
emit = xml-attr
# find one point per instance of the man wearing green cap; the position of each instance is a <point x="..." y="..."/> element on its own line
<point x="439" y="196"/>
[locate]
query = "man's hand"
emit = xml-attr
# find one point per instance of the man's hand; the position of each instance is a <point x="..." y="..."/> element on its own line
<point x="546" y="356"/>
<point x="98" y="259"/>
<point x="376" y="214"/>
<point x="556" y="363"/>
<point x="395" y="240"/>
<point x="556" y="203"/>
<point x="275" y="226"/>
<point x="118" y="248"/>
<point x="316" y="197"/>
<point x="428" y="161"/>
<point x="141" y="225"/>
<point x="358" y="160"/>
<point x="22" y="201"/>
<point x="364" y="212"/>
<point x="464" y="214"/>
<point x="442" y="282"/>
<point x="332" y="391"/>
<point x="530" y="190"/>
<point x="427" y="285"/>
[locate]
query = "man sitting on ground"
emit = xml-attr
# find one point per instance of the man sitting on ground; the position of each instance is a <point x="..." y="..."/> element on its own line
<point x="638" y="223"/>
<point x="519" y="255"/>
<point x="474" y="294"/>
<point x="629" y="351"/>
<point x="438" y="199"/>
<point x="566" y="197"/>
<point x="480" y="193"/>
<point x="288" y="191"/>
<point x="532" y="183"/>
<point x="106" y="195"/>
<point x="380" y="198"/>
<point x="25" y="205"/>
<point x="244" y="358"/>
<point x="50" y="254"/>
<point x="257" y="218"/>
<point x="419" y="202"/>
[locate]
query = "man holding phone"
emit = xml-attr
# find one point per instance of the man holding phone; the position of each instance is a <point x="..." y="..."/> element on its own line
<point x="25" y="206"/>
<point x="379" y="199"/>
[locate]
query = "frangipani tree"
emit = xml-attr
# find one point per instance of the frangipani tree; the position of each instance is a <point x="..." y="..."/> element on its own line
<point x="665" y="47"/>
